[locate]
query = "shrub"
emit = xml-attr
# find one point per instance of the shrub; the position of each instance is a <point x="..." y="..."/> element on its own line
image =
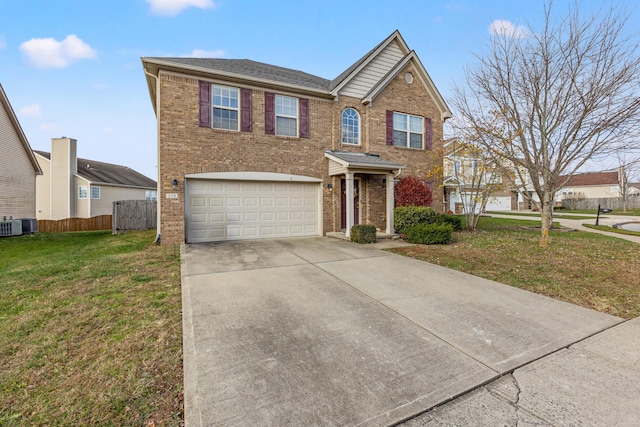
<point x="363" y="233"/>
<point x="406" y="217"/>
<point x="454" y="220"/>
<point x="430" y="234"/>
<point x="412" y="191"/>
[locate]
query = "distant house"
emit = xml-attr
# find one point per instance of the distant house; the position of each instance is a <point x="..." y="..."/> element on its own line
<point x="18" y="166"/>
<point x="589" y="185"/>
<point x="71" y="187"/>
<point x="467" y="175"/>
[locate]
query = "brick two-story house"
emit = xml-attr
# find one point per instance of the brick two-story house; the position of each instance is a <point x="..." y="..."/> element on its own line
<point x="251" y="150"/>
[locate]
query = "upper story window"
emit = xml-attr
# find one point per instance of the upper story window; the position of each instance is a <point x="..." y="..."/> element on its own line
<point x="408" y="131"/>
<point x="350" y="126"/>
<point x="95" y="192"/>
<point x="82" y="192"/>
<point x="286" y="115"/>
<point x="226" y="106"/>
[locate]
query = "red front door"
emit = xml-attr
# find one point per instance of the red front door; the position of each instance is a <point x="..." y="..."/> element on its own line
<point x="356" y="202"/>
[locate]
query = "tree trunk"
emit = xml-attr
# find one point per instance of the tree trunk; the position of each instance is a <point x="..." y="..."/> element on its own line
<point x="546" y="218"/>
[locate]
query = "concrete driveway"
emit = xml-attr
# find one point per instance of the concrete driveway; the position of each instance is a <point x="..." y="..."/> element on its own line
<point x="319" y="331"/>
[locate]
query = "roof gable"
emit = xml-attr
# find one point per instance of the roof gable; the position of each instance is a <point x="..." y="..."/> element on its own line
<point x="4" y="102"/>
<point x="108" y="173"/>
<point x="372" y="68"/>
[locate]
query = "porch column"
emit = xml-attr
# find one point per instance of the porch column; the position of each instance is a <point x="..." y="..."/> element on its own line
<point x="390" y="203"/>
<point x="350" y="207"/>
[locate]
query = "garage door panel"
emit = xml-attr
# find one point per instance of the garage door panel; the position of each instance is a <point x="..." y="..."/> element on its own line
<point x="228" y="210"/>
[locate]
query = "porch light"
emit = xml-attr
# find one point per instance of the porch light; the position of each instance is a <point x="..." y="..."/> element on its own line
<point x="174" y="183"/>
<point x="330" y="187"/>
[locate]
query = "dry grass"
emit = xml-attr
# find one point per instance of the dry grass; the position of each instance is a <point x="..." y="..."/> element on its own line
<point x="587" y="269"/>
<point x="90" y="330"/>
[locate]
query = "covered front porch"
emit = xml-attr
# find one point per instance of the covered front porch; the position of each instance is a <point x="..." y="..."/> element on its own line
<point x="350" y="164"/>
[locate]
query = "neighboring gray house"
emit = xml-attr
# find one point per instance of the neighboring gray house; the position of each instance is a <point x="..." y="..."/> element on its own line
<point x="71" y="187"/>
<point x="18" y="166"/>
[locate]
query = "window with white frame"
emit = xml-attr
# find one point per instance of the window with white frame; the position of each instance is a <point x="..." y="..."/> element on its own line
<point x="150" y="195"/>
<point x="82" y="192"/>
<point x="408" y="130"/>
<point x="493" y="177"/>
<point x="226" y="105"/>
<point x="350" y="127"/>
<point x="286" y="115"/>
<point x="95" y="192"/>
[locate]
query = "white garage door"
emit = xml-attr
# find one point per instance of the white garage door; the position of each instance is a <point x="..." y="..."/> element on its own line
<point x="502" y="203"/>
<point x="234" y="210"/>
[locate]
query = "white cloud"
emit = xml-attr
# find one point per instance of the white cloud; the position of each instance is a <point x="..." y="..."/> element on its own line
<point x="199" y="53"/>
<point x="174" y="7"/>
<point x="31" y="110"/>
<point x="50" y="53"/>
<point x="501" y="27"/>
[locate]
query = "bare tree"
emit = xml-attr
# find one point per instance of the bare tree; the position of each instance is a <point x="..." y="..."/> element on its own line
<point x="626" y="168"/>
<point x="547" y="101"/>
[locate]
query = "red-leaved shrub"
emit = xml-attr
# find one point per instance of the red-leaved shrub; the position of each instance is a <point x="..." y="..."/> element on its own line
<point x="413" y="191"/>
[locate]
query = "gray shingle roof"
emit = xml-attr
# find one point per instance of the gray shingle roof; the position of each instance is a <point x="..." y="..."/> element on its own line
<point x="364" y="159"/>
<point x="107" y="173"/>
<point x="253" y="69"/>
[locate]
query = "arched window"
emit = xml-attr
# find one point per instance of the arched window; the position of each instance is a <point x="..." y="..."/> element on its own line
<point x="350" y="126"/>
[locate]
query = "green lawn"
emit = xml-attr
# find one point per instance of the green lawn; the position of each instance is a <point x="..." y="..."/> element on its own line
<point x="588" y="269"/>
<point x="537" y="214"/>
<point x="90" y="330"/>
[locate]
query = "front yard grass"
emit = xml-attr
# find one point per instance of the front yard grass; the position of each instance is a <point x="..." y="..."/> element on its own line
<point x="90" y="330"/>
<point x="587" y="269"/>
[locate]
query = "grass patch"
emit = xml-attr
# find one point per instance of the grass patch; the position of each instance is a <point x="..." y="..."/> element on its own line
<point x="90" y="330"/>
<point x="612" y="230"/>
<point x="537" y="215"/>
<point x="587" y="269"/>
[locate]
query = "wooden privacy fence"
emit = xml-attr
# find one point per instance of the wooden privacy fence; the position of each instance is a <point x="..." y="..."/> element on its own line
<point x="609" y="203"/>
<point x="102" y="222"/>
<point x="134" y="215"/>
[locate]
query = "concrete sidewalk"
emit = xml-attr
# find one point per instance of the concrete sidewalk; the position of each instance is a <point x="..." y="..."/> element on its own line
<point x="317" y="331"/>
<point x="593" y="383"/>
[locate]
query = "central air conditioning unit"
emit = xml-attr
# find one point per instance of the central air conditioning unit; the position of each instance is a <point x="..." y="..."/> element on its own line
<point x="11" y="227"/>
<point x="29" y="225"/>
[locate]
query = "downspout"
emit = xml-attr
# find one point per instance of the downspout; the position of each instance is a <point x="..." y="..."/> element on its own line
<point x="158" y="198"/>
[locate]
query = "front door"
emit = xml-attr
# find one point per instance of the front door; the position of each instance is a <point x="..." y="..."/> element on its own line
<point x="356" y="202"/>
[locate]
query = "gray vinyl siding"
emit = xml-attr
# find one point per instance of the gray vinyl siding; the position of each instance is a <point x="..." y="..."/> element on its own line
<point x="17" y="174"/>
<point x="373" y="72"/>
<point x="43" y="189"/>
<point x="110" y="194"/>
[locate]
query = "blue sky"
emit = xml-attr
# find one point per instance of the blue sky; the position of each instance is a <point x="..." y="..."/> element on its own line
<point x="72" y="67"/>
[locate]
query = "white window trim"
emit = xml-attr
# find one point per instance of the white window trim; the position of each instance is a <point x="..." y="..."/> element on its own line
<point x="86" y="192"/>
<point x="296" y="117"/>
<point x="342" y="126"/>
<point x="221" y="107"/>
<point x="408" y="131"/>
<point x="95" y="187"/>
